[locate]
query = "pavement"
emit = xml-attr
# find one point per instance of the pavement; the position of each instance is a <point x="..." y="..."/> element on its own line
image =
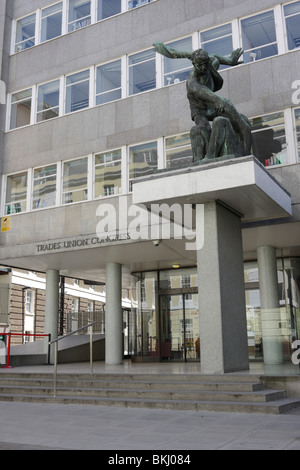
<point x="38" y="426"/>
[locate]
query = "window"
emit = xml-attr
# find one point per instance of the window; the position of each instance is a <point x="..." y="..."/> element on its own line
<point x="75" y="181"/>
<point x="77" y="91"/>
<point x="292" y="23"/>
<point x="108" y="84"/>
<point x="137" y="3"/>
<point x="20" y="108"/>
<point x="16" y="193"/>
<point x="79" y="14"/>
<point x="179" y="151"/>
<point x="176" y="71"/>
<point x="25" y="33"/>
<point x="297" y="120"/>
<point x="44" y="187"/>
<point x="142" y="160"/>
<point x="218" y="41"/>
<point x="108" y="173"/>
<point x="48" y="101"/>
<point x="269" y="139"/>
<point x="259" y="36"/>
<point x="51" y="22"/>
<point x="142" y="75"/>
<point x="107" y="8"/>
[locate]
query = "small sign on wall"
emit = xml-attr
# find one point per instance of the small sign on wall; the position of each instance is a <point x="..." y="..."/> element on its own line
<point x="5" y="224"/>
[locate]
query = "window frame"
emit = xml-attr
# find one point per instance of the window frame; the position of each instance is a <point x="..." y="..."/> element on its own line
<point x="97" y="165"/>
<point x="57" y="175"/>
<point x="49" y="15"/>
<point x="86" y="189"/>
<point x="20" y="201"/>
<point x="11" y="103"/>
<point x="66" y="85"/>
<point x="258" y="13"/>
<point x="287" y="139"/>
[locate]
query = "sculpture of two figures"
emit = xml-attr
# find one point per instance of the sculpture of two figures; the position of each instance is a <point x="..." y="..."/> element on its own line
<point x="229" y="132"/>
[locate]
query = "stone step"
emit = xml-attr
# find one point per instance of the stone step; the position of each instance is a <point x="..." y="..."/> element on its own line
<point x="240" y="393"/>
<point x="262" y="395"/>
<point x="134" y="384"/>
<point x="275" y="407"/>
<point x="223" y="378"/>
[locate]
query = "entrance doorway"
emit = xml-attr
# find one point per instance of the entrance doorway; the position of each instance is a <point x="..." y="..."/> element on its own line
<point x="179" y="324"/>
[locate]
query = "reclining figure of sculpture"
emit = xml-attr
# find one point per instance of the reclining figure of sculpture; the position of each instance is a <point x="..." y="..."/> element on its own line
<point x="229" y="132"/>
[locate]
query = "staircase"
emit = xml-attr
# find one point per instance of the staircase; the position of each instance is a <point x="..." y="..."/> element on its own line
<point x="232" y="393"/>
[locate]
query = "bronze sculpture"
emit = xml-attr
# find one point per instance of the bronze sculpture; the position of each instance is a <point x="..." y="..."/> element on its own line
<point x="229" y="133"/>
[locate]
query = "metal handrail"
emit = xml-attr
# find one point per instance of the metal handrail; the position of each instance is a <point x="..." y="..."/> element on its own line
<point x="55" y="342"/>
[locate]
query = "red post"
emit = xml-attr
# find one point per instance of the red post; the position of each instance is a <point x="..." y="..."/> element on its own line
<point x="8" y="353"/>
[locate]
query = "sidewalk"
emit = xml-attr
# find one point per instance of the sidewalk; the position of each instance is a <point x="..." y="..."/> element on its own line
<point x="29" y="426"/>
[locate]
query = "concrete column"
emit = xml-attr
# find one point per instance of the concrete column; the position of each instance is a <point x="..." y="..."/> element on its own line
<point x="270" y="307"/>
<point x="113" y="315"/>
<point x="222" y="310"/>
<point x="51" y="306"/>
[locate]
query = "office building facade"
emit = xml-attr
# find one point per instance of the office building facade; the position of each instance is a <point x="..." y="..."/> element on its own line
<point x="93" y="121"/>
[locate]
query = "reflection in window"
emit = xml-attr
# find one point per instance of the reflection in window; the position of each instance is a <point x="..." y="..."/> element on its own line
<point x="137" y="3"/>
<point x="44" y="187"/>
<point x="16" y="193"/>
<point x="142" y="75"/>
<point x="79" y="14"/>
<point x="179" y="151"/>
<point x="107" y="8"/>
<point x="176" y="71"/>
<point x="51" y="22"/>
<point x="259" y="37"/>
<point x="108" y="173"/>
<point x="292" y="22"/>
<point x="25" y="33"/>
<point x="108" y="85"/>
<point x="142" y="160"/>
<point x="297" y="119"/>
<point x="75" y="181"/>
<point x="48" y="101"/>
<point x="20" y="109"/>
<point x="269" y="139"/>
<point x="77" y="91"/>
<point x="218" y="41"/>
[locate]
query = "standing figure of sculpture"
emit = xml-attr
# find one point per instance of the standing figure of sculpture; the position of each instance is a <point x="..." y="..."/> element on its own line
<point x="230" y="132"/>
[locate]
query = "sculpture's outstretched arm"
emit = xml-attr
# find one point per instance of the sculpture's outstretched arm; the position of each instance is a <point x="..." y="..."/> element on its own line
<point x="232" y="60"/>
<point x="171" y="53"/>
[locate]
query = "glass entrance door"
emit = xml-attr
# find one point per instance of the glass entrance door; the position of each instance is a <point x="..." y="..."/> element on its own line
<point x="179" y="339"/>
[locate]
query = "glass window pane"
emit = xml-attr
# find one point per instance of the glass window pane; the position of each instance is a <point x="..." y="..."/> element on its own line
<point x="75" y="181"/>
<point x="179" y="151"/>
<point x="142" y="74"/>
<point x="292" y="21"/>
<point x="16" y="193"/>
<point x="108" y="85"/>
<point x="51" y="22"/>
<point x="25" y="33"/>
<point x="269" y="139"/>
<point x="108" y="173"/>
<point x="20" y="109"/>
<point x="44" y="187"/>
<point x="77" y="91"/>
<point x="258" y="32"/>
<point x="176" y="71"/>
<point x="142" y="159"/>
<point x="297" y="119"/>
<point x="107" y="8"/>
<point x="48" y="101"/>
<point x="79" y="14"/>
<point x="218" y="41"/>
